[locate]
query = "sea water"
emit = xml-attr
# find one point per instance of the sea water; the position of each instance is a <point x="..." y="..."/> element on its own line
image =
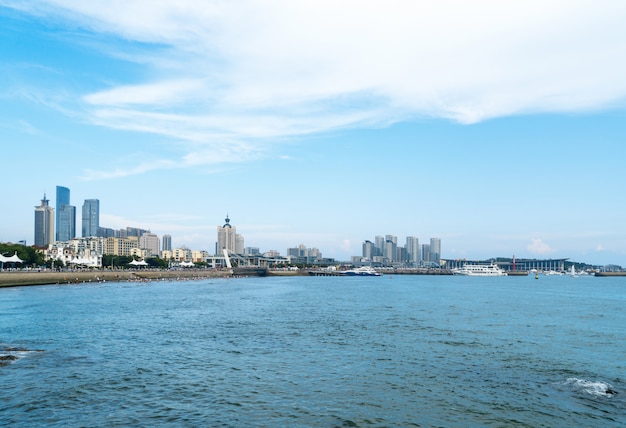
<point x="389" y="351"/>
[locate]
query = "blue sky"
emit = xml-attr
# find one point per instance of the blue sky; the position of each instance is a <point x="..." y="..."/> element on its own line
<point x="496" y="127"/>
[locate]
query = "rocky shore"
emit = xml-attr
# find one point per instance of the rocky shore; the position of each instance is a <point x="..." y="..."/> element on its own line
<point x="21" y="278"/>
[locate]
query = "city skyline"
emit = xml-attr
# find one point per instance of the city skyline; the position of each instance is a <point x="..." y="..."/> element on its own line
<point x="497" y="128"/>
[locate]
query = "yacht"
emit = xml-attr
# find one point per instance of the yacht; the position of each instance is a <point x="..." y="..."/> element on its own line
<point x="479" y="270"/>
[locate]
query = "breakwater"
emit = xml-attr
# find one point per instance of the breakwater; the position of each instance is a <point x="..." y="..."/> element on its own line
<point x="610" y="274"/>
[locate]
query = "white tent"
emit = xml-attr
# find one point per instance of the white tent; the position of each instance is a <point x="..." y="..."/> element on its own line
<point x="186" y="264"/>
<point x="13" y="259"/>
<point x="92" y="262"/>
<point x="138" y="263"/>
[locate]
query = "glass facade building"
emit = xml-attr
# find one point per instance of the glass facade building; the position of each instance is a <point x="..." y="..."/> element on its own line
<point x="91" y="217"/>
<point x="65" y="215"/>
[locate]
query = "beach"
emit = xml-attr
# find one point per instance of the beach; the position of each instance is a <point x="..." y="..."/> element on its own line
<point x="22" y="278"/>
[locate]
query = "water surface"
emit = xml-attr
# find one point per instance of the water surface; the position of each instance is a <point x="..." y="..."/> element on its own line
<point x="319" y="351"/>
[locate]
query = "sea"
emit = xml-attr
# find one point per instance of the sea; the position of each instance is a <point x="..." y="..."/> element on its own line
<point x="388" y="351"/>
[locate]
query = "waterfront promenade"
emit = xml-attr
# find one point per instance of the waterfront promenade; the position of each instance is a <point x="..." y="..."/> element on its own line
<point x="21" y="278"/>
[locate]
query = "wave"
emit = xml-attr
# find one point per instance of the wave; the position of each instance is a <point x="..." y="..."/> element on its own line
<point x="595" y="389"/>
<point x="9" y="354"/>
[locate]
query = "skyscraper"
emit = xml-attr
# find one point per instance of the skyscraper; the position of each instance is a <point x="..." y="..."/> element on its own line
<point x="91" y="217"/>
<point x="435" y="250"/>
<point x="426" y="253"/>
<point x="167" y="243"/>
<point x="412" y="250"/>
<point x="369" y="250"/>
<point x="226" y="237"/>
<point x="65" y="215"/>
<point x="390" y="251"/>
<point x="379" y="243"/>
<point x="44" y="223"/>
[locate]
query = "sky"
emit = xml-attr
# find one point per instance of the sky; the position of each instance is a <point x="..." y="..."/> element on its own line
<point x="497" y="127"/>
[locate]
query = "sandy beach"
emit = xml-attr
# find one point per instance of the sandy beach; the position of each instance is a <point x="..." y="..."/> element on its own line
<point x="21" y="278"/>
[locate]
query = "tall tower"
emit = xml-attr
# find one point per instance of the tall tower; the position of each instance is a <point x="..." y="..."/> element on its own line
<point x="65" y="215"/>
<point x="435" y="250"/>
<point x="226" y="237"/>
<point x="91" y="217"/>
<point x="44" y="223"/>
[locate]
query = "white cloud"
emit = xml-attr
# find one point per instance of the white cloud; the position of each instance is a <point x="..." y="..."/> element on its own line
<point x="537" y="246"/>
<point x="255" y="70"/>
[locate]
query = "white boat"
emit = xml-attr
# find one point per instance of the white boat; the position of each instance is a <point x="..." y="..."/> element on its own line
<point x="479" y="270"/>
<point x="361" y="271"/>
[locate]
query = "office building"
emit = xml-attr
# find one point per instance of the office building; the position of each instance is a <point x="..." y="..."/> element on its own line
<point x="91" y="217"/>
<point x="150" y="243"/>
<point x="167" y="243"/>
<point x="65" y="215"/>
<point x="44" y="224"/>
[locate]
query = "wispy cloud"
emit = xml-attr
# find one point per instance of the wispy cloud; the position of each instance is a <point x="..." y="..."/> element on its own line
<point x="250" y="71"/>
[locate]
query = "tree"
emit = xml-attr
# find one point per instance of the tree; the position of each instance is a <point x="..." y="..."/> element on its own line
<point x="30" y="255"/>
<point x="157" y="262"/>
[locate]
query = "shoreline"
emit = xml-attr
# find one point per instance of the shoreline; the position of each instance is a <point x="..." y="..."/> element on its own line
<point x="18" y="279"/>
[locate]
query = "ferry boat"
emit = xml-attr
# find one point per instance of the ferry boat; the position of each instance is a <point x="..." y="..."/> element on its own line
<point x="479" y="270"/>
<point x="361" y="271"/>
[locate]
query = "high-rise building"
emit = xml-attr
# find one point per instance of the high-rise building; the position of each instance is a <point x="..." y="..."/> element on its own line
<point x="379" y="243"/>
<point x="251" y="251"/>
<point x="226" y="238"/>
<point x="65" y="216"/>
<point x="435" y="250"/>
<point x="369" y="250"/>
<point x="167" y="242"/>
<point x="44" y="223"/>
<point x="412" y="250"/>
<point x="106" y="232"/>
<point x="426" y="253"/>
<point x="91" y="217"/>
<point x="150" y="241"/>
<point x="390" y="250"/>
<point x="239" y="244"/>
